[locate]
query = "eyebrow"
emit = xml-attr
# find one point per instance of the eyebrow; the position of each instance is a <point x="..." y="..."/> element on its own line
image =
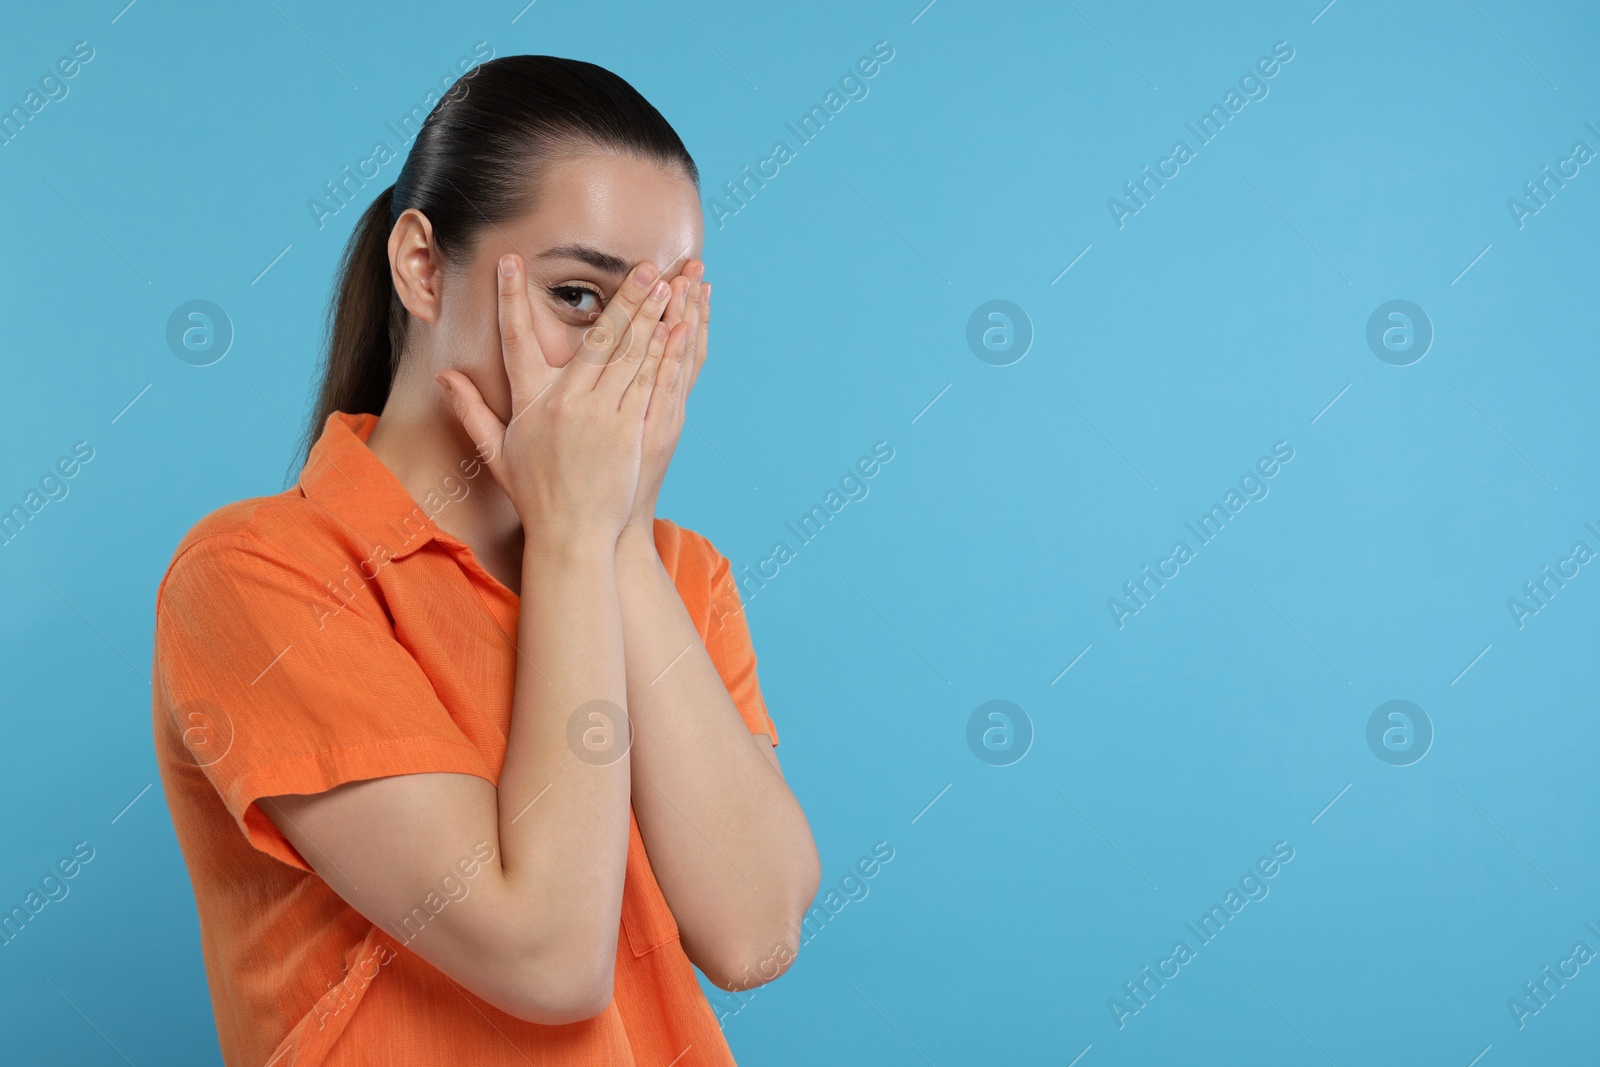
<point x="601" y="261"/>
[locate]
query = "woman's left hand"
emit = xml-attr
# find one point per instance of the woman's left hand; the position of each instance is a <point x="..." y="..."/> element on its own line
<point x="688" y="315"/>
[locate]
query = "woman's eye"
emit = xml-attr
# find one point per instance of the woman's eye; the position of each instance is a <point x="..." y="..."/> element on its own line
<point x="579" y="298"/>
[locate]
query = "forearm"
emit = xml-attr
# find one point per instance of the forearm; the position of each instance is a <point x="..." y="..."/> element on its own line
<point x="538" y="938"/>
<point x="563" y="806"/>
<point x="727" y="840"/>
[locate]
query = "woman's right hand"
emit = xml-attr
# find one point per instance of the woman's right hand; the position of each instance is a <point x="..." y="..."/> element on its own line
<point x="569" y="458"/>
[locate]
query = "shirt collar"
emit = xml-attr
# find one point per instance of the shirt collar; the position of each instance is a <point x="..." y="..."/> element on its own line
<point x="344" y="476"/>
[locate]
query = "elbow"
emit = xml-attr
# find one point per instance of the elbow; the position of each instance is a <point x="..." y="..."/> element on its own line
<point x="764" y="950"/>
<point x="753" y="948"/>
<point x="757" y="963"/>
<point x="557" y="990"/>
<point x="573" y="1004"/>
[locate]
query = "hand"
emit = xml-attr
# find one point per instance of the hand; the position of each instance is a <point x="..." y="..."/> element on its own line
<point x="688" y="316"/>
<point x="569" y="458"/>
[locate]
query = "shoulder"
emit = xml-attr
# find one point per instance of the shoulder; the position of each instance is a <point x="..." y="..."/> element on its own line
<point x="284" y="532"/>
<point x="698" y="569"/>
<point x="681" y="548"/>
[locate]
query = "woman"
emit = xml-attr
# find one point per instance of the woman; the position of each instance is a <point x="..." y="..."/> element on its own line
<point x="466" y="767"/>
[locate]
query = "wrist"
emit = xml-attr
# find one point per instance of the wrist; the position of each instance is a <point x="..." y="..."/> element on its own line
<point x="567" y="546"/>
<point x="636" y="546"/>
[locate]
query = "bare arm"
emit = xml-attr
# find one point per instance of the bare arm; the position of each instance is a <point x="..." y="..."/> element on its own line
<point x="537" y="937"/>
<point x="726" y="838"/>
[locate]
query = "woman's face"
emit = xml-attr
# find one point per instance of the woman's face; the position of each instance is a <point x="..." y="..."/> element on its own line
<point x="600" y="214"/>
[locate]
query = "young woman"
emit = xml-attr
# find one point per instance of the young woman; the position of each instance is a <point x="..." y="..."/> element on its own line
<point x="463" y="745"/>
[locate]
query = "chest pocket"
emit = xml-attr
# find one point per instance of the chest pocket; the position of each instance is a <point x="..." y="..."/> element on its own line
<point x="646" y="918"/>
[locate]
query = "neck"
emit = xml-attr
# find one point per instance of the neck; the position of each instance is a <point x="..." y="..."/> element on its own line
<point x="425" y="447"/>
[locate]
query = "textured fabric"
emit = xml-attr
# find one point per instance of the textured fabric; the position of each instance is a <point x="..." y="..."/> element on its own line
<point x="334" y="633"/>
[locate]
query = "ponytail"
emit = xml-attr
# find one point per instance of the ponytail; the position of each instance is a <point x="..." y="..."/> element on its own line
<point x="364" y="327"/>
<point x="476" y="162"/>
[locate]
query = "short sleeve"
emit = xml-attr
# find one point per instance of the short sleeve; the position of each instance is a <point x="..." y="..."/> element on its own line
<point x="727" y="641"/>
<point x="297" y="694"/>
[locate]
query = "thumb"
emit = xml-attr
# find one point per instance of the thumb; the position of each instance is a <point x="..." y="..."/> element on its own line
<point x="482" y="425"/>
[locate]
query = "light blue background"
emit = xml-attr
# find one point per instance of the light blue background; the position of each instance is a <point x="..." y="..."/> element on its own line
<point x="1224" y="316"/>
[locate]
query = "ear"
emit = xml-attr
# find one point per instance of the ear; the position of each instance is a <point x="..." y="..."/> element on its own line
<point x="415" y="265"/>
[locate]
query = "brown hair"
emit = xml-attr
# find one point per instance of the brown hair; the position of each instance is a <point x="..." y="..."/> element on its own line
<point x="476" y="161"/>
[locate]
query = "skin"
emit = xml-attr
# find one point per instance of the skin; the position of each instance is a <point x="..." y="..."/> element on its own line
<point x="575" y="399"/>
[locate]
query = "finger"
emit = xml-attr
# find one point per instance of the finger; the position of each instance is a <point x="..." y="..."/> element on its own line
<point x="600" y="340"/>
<point x="693" y="271"/>
<point x="476" y="418"/>
<point x="702" y="329"/>
<point x="636" y="399"/>
<point x="618" y="373"/>
<point x="703" y="335"/>
<point x="692" y="317"/>
<point x="526" y="367"/>
<point x="635" y="343"/>
<point x="666" y="401"/>
<point x="678" y="302"/>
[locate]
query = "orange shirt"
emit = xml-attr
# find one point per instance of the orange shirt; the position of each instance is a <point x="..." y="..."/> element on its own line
<point x="333" y="633"/>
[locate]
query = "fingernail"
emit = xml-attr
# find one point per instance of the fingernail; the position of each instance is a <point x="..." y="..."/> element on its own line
<point x="508" y="265"/>
<point x="643" y="273"/>
<point x="444" y="383"/>
<point x="660" y="291"/>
